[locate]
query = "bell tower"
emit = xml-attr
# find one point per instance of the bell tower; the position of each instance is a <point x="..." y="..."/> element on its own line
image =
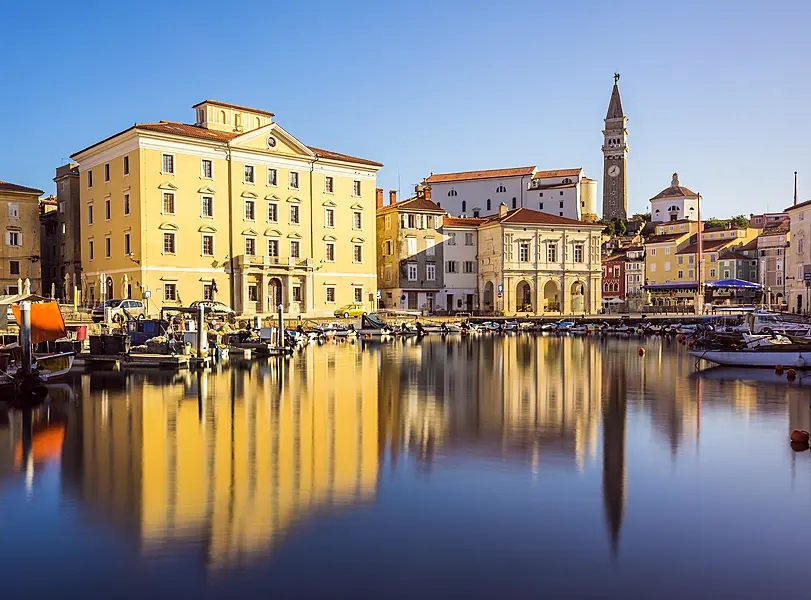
<point x="615" y="154"/>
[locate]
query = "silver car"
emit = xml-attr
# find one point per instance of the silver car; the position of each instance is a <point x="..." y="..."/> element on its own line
<point x="122" y="310"/>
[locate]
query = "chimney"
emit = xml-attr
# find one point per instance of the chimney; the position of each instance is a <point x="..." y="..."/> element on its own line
<point x="427" y="192"/>
<point x="502" y="209"/>
<point x="379" y="198"/>
<point x="392" y="196"/>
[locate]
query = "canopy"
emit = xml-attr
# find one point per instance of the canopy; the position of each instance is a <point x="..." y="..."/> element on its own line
<point x="613" y="301"/>
<point x="738" y="284"/>
<point x="7" y="300"/>
<point x="47" y="323"/>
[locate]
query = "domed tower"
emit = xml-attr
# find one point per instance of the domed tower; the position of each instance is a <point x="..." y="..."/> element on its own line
<point x="615" y="153"/>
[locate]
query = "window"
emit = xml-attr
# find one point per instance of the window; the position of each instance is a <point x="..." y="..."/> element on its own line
<point x="250" y="246"/>
<point x="451" y="267"/>
<point x="800" y="246"/>
<point x="515" y="203"/>
<point x="476" y="213"/>
<point x="296" y="293"/>
<point x="107" y="209"/>
<point x="653" y="268"/>
<point x="106" y="172"/>
<point x="294" y="214"/>
<point x="273" y="212"/>
<point x="690" y="273"/>
<point x="272" y="177"/>
<point x="356" y="188"/>
<point x="552" y="252"/>
<point x="63" y="228"/>
<point x="170" y="291"/>
<point x="667" y="250"/>
<point x="387" y="275"/>
<point x="126" y="204"/>
<point x="653" y="251"/>
<point x="387" y="221"/>
<point x="90" y="179"/>
<point x="452" y="193"/>
<point x="208" y="244"/>
<point x="207" y="168"/>
<point x="273" y="248"/>
<point x="387" y="247"/>
<point x="561" y="204"/>
<point x="126" y="165"/>
<point x="294" y="180"/>
<point x="329" y="185"/>
<point x="107" y="247"/>
<point x="561" y="193"/>
<point x="168" y="243"/>
<point x="712" y="272"/>
<point x="250" y="210"/>
<point x="358" y="294"/>
<point x="168" y="203"/>
<point x="329" y="251"/>
<point x="578" y="253"/>
<point x="295" y="249"/>
<point x="779" y="280"/>
<point x="691" y="259"/>
<point x="469" y="266"/>
<point x="207" y="209"/>
<point x="127" y="245"/>
<point x="430" y="271"/>
<point x="329" y="217"/>
<point x="208" y="291"/>
<point x="168" y="163"/>
<point x="330" y="293"/>
<point x="90" y="250"/>
<point x="357" y="220"/>
<point x="726" y="274"/>
<point x="523" y="251"/>
<point x="411" y="246"/>
<point x="358" y="253"/>
<point x="681" y="274"/>
<point x="468" y="239"/>
<point x="430" y="248"/>
<point x="249" y="174"/>
<point x="464" y="206"/>
<point x="14" y="267"/>
<point x="667" y="266"/>
<point x="412" y="271"/>
<point x="540" y="206"/>
<point x="90" y="214"/>
<point x="451" y="239"/>
<point x="681" y="260"/>
<point x="488" y="204"/>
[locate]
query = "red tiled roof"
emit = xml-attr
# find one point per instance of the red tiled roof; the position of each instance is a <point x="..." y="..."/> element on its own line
<point x="728" y="227"/>
<point x="6" y="186"/>
<point x="237" y="106"/>
<point x="707" y="246"/>
<point x="801" y="204"/>
<point x="779" y="229"/>
<point x="534" y="217"/>
<point x="557" y="173"/>
<point x="489" y="174"/>
<point x="727" y="254"/>
<point x="751" y="245"/>
<point x="665" y="237"/>
<point x="615" y="257"/>
<point x="416" y="203"/>
<point x="462" y="222"/>
<point x="343" y="157"/>
<point x="674" y="191"/>
<point x="676" y="222"/>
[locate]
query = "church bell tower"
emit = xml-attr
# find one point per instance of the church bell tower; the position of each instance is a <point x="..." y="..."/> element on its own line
<point x="615" y="154"/>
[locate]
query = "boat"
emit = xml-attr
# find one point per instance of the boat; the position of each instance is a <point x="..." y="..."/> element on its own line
<point x="764" y="321"/>
<point x="372" y="325"/>
<point x="797" y="356"/>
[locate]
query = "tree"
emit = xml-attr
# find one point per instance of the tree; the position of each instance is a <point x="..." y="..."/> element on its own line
<point x="621" y="228"/>
<point x="713" y="222"/>
<point x="740" y="221"/>
<point x="641" y="217"/>
<point x="609" y="227"/>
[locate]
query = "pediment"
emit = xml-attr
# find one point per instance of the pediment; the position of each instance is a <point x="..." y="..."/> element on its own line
<point x="167" y="185"/>
<point x="166" y="226"/>
<point x="249" y="194"/>
<point x="329" y="203"/>
<point x="357" y="240"/>
<point x="273" y="232"/>
<point x="356" y="206"/>
<point x="206" y="190"/>
<point x="294" y="199"/>
<point x="273" y="197"/>
<point x="329" y="238"/>
<point x="207" y="229"/>
<point x="284" y="142"/>
<point x="250" y="232"/>
<point x="295" y="235"/>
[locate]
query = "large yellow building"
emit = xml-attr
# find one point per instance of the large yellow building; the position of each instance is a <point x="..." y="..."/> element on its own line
<point x="231" y="208"/>
<point x="19" y="252"/>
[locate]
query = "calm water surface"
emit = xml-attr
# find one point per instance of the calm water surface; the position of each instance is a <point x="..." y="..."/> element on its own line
<point x="515" y="467"/>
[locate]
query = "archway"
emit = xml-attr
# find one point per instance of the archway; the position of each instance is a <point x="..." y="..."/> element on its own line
<point x="551" y="300"/>
<point x="578" y="292"/>
<point x="523" y="297"/>
<point x="109" y="286"/>
<point x="488" y="296"/>
<point x="274" y="294"/>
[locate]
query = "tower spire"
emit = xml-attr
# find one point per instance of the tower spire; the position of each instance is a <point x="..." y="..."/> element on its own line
<point x="615" y="105"/>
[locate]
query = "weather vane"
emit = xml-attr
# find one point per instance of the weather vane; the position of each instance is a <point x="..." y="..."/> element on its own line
<point x="616" y="77"/>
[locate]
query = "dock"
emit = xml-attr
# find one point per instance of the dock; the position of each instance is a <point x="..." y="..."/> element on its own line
<point x="134" y="361"/>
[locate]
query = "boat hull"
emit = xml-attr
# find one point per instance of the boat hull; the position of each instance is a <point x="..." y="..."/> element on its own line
<point x="750" y="358"/>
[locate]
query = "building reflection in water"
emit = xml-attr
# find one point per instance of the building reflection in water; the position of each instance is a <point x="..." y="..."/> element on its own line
<point x="232" y="460"/>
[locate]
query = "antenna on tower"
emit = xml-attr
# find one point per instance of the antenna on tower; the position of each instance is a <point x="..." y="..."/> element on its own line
<point x="795" y="188"/>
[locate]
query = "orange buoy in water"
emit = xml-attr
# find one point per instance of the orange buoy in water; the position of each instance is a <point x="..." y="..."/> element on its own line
<point x="641" y="352"/>
<point x="791" y="374"/>
<point x="801" y="436"/>
<point x="778" y="369"/>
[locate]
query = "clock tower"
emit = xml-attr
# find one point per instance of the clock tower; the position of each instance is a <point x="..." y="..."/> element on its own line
<point x="615" y="154"/>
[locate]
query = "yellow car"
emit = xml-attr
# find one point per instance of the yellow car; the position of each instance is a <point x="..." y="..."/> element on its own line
<point x="351" y="310"/>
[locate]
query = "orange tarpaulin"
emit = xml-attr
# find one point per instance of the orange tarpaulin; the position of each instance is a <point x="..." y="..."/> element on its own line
<point x="47" y="323"/>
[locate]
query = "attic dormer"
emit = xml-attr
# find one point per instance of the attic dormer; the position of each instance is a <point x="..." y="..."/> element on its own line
<point x="230" y="117"/>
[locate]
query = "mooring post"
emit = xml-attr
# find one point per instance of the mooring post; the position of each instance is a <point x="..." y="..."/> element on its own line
<point x="25" y="337"/>
<point x="201" y="325"/>
<point x="281" y="327"/>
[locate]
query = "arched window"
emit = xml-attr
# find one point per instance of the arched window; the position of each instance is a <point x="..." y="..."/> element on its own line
<point x="451" y="192"/>
<point x="514" y="203"/>
<point x="488" y="204"/>
<point x="439" y="204"/>
<point x="501" y="189"/>
<point x="464" y="206"/>
<point x="476" y="213"/>
<point x="222" y="117"/>
<point x="567" y="180"/>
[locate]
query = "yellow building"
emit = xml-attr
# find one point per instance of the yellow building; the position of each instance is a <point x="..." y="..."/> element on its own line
<point x="232" y="208"/>
<point x="19" y="221"/>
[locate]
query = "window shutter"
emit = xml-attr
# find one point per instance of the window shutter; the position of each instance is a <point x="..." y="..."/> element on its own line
<point x="20" y="238"/>
<point x="8" y="239"/>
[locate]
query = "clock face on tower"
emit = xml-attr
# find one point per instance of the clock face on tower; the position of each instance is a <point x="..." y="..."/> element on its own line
<point x="613" y="170"/>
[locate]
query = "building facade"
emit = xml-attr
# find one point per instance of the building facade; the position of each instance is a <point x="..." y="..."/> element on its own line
<point x="232" y="208"/>
<point x="798" y="258"/>
<point x="564" y="192"/>
<point x="461" y="264"/>
<point x="772" y="247"/>
<point x="614" y="277"/>
<point x="410" y="252"/>
<point x="48" y="252"/>
<point x="615" y="158"/>
<point x="19" y="220"/>
<point x="69" y="232"/>
<point x="674" y="203"/>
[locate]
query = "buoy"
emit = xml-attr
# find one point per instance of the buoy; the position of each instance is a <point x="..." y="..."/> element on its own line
<point x="641" y="352"/>
<point x="799" y="446"/>
<point x="791" y="374"/>
<point x="800" y="436"/>
<point x="778" y="369"/>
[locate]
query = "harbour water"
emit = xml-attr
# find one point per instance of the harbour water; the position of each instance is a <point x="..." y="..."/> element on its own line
<point x="492" y="467"/>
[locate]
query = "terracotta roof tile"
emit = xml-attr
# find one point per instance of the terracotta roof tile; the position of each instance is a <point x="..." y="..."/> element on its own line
<point x="674" y="191"/>
<point x="343" y="157"/>
<point x="557" y="173"/>
<point x="707" y="246"/>
<point x="6" y="186"/>
<point x="534" y="217"/>
<point x="616" y="257"/>
<point x="800" y="205"/>
<point x="750" y="245"/>
<point x="462" y="222"/>
<point x="665" y="237"/>
<point x="488" y="174"/>
<point x="237" y="106"/>
<point x="421" y="204"/>
<point x="731" y="254"/>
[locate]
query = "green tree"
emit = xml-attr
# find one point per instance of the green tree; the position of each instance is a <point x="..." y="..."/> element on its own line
<point x="621" y="228"/>
<point x="641" y="217"/>
<point x="609" y="227"/>
<point x="713" y="222"/>
<point x="740" y="221"/>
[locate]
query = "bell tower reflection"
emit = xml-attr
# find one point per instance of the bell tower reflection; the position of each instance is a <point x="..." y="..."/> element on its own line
<point x="614" y="413"/>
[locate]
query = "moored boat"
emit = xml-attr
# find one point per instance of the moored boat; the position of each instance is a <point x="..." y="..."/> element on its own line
<point x="788" y="355"/>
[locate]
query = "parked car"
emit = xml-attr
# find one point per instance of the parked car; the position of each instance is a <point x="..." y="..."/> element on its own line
<point x="356" y="309"/>
<point x="122" y="310"/>
<point x="213" y="307"/>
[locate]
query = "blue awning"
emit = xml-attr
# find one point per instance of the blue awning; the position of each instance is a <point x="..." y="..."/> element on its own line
<point x="736" y="284"/>
<point x="685" y="285"/>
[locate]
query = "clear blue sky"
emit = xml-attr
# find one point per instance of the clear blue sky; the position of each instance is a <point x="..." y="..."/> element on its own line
<point x="718" y="91"/>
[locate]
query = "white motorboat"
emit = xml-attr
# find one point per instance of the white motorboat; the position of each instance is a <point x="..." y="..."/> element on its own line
<point x="762" y="356"/>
